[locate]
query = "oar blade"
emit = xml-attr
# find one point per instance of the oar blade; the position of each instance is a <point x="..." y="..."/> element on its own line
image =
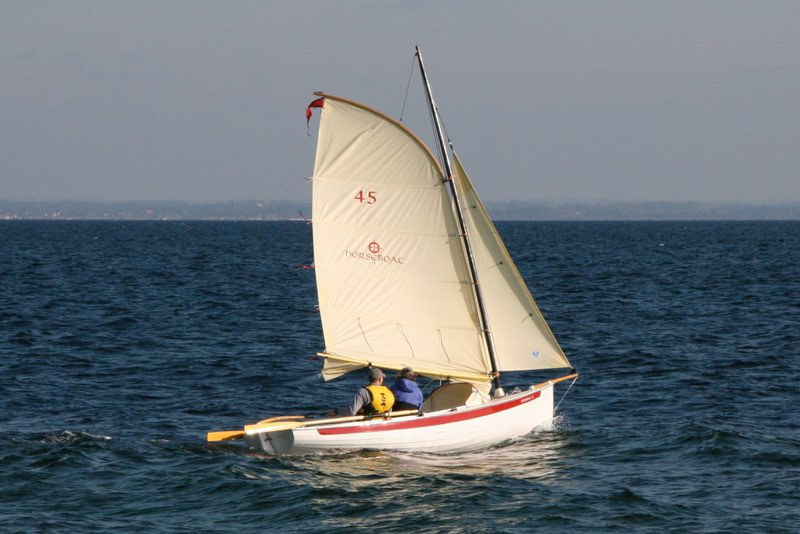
<point x="225" y="435"/>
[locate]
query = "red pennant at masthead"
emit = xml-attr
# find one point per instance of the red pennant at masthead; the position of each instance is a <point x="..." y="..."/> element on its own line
<point x="318" y="103"/>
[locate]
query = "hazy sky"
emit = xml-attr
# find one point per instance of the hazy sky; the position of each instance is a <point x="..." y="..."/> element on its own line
<point x="544" y="100"/>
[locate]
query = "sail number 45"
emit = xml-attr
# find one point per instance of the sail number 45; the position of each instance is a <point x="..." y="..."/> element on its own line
<point x="367" y="197"/>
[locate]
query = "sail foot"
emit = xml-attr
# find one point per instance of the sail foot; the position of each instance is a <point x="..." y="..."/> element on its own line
<point x="336" y="366"/>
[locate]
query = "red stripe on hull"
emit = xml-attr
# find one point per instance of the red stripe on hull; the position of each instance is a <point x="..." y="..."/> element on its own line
<point x="420" y="422"/>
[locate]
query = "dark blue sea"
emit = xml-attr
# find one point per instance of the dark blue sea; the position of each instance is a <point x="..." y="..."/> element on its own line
<point x="123" y="343"/>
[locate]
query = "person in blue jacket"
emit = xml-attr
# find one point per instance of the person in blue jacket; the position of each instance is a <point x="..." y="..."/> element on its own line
<point x="407" y="395"/>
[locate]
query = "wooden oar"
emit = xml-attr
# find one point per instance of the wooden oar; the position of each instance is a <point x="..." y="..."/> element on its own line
<point x="226" y="435"/>
<point x="275" y="424"/>
<point x="282" y="418"/>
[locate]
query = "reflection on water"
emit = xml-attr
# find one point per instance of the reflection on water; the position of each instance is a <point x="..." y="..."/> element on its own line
<point x="534" y="457"/>
<point x="348" y="488"/>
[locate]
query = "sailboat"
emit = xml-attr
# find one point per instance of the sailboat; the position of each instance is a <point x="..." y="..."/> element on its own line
<point x="411" y="272"/>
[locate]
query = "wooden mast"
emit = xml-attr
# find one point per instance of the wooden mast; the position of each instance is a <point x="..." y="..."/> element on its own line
<point x="484" y="324"/>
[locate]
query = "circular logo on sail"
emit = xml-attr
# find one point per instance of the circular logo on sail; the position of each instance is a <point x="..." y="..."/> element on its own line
<point x="373" y="254"/>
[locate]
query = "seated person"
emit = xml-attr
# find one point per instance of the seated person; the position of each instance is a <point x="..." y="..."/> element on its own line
<point x="372" y="399"/>
<point x="407" y="394"/>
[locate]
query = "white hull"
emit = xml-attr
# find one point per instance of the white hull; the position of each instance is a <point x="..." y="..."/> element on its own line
<point x="453" y="430"/>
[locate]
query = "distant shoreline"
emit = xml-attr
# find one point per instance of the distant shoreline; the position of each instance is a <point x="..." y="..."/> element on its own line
<point x="286" y="211"/>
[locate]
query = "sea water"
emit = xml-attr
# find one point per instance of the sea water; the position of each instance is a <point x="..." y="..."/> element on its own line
<point x="123" y="343"/>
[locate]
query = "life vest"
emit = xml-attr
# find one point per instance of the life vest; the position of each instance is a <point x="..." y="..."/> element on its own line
<point x="381" y="399"/>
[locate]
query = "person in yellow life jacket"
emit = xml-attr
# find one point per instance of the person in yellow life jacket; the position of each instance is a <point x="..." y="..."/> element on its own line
<point x="372" y="399"/>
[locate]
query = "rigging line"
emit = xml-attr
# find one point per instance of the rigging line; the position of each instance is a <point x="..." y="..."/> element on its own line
<point x="400" y="327"/>
<point x="446" y="137"/>
<point x="441" y="342"/>
<point x="408" y="87"/>
<point x="364" y="334"/>
<point x="565" y="394"/>
<point x="439" y="148"/>
<point x="431" y="381"/>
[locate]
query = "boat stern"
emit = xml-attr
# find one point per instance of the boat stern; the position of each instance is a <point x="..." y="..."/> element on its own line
<point x="275" y="443"/>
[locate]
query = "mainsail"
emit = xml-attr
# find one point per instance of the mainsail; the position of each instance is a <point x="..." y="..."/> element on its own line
<point x="393" y="285"/>
<point x="392" y="273"/>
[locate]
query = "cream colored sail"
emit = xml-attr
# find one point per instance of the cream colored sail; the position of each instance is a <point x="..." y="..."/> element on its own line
<point x="394" y="288"/>
<point x="522" y="338"/>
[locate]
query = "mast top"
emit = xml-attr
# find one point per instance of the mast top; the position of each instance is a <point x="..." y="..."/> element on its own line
<point x="448" y="167"/>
